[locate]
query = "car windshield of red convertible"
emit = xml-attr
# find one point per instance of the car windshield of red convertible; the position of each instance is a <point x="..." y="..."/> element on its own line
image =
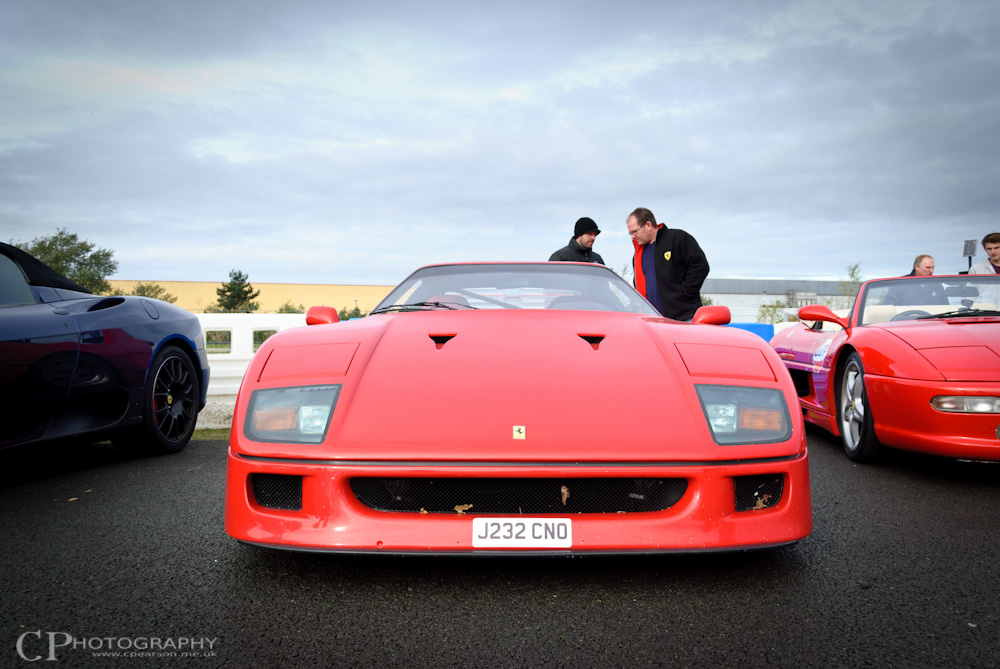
<point x="929" y="297"/>
<point x="550" y="285"/>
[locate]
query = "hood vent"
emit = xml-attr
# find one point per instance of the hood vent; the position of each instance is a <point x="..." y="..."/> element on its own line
<point x="593" y="340"/>
<point x="441" y="339"/>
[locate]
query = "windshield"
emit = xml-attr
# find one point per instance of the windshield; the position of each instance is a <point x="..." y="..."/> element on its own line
<point x="925" y="297"/>
<point x="515" y="286"/>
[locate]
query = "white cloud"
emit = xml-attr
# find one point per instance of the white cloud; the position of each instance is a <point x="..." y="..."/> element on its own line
<point x="347" y="143"/>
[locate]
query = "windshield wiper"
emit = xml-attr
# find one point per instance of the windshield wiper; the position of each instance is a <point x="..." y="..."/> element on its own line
<point x="959" y="313"/>
<point x="420" y="306"/>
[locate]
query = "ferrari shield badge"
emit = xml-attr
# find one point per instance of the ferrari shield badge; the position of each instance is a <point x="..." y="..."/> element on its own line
<point x="666" y="256"/>
<point x="519" y="432"/>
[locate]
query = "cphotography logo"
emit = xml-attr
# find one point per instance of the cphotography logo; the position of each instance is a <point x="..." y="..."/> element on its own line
<point x="48" y="646"/>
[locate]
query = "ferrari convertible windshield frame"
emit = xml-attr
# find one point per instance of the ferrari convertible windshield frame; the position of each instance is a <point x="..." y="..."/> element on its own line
<point x="929" y="297"/>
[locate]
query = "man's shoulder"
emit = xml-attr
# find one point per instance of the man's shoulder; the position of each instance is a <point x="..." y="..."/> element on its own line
<point x="565" y="253"/>
<point x="982" y="267"/>
<point x="672" y="235"/>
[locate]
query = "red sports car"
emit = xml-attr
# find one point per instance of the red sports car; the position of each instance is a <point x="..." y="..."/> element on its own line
<point x="914" y="365"/>
<point x="517" y="408"/>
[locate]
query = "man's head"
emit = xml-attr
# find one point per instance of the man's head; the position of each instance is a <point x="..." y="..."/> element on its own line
<point x="923" y="265"/>
<point x="586" y="232"/>
<point x="991" y="244"/>
<point x="642" y="226"/>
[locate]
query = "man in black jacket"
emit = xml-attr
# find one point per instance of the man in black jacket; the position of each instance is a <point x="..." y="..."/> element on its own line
<point x="669" y="266"/>
<point x="580" y="248"/>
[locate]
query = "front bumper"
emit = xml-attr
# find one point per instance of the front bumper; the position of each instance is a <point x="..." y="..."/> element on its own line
<point x="905" y="419"/>
<point x="331" y="518"/>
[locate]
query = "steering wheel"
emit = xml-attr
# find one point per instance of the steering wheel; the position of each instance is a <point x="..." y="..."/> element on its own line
<point x="909" y="315"/>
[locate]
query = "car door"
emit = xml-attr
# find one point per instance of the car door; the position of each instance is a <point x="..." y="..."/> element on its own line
<point x="39" y="344"/>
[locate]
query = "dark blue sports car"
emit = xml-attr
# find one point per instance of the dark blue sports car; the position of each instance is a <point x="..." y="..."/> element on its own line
<point x="74" y="364"/>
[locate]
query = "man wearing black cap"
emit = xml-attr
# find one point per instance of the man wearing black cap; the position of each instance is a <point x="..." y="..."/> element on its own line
<point x="581" y="247"/>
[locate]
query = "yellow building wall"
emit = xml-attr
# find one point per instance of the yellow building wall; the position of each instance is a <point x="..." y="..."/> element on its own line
<point x="196" y="296"/>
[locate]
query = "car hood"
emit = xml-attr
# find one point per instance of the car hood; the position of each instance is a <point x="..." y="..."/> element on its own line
<point x="524" y="386"/>
<point x="960" y="349"/>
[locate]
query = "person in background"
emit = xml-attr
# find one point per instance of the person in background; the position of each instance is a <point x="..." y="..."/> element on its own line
<point x="923" y="266"/>
<point x="581" y="246"/>
<point x="991" y="244"/>
<point x="913" y="293"/>
<point x="989" y="295"/>
<point x="669" y="265"/>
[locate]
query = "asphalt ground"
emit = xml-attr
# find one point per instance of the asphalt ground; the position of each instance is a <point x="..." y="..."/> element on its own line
<point x="106" y="553"/>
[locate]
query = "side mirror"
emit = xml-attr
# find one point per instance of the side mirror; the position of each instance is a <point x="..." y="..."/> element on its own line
<point x="819" y="312"/>
<point x="321" y="315"/>
<point x="712" y="315"/>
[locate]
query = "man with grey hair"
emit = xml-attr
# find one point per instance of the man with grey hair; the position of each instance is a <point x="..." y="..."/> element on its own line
<point x="912" y="293"/>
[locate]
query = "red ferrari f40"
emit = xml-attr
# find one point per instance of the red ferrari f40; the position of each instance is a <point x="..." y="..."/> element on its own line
<point x="533" y="408"/>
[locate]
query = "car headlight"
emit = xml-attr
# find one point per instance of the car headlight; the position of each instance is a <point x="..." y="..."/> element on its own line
<point x="291" y="415"/>
<point x="741" y="415"/>
<point x="966" y="404"/>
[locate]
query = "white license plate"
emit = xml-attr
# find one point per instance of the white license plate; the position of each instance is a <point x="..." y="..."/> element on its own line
<point x="522" y="533"/>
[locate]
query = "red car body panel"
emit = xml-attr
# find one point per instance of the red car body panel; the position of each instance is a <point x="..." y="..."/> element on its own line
<point x="907" y="363"/>
<point x="531" y="393"/>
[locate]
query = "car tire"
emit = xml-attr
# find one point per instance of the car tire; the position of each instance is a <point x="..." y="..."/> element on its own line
<point x="169" y="406"/>
<point x="857" y="425"/>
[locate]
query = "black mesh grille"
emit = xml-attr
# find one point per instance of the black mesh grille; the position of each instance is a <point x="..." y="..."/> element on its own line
<point x="758" y="492"/>
<point x="518" y="495"/>
<point x="277" y="491"/>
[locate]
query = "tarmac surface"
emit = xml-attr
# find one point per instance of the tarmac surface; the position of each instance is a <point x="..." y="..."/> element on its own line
<point x="103" y="553"/>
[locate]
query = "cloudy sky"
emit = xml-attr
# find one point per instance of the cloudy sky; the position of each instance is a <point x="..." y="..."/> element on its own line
<point x="350" y="142"/>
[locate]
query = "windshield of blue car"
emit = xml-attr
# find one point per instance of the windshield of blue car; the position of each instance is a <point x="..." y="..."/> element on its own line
<point x="928" y="297"/>
<point x="552" y="285"/>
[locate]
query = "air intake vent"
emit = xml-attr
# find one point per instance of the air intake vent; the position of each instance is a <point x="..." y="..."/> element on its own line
<point x="593" y="340"/>
<point x="754" y="493"/>
<point x="106" y="303"/>
<point x="277" y="491"/>
<point x="441" y="339"/>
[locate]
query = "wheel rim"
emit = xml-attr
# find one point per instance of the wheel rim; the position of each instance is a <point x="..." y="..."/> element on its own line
<point x="852" y="405"/>
<point x="173" y="399"/>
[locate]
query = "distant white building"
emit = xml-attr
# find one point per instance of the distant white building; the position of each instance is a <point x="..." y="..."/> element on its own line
<point x="745" y="297"/>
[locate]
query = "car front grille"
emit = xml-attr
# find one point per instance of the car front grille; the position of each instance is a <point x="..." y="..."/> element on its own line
<point x="518" y="495"/>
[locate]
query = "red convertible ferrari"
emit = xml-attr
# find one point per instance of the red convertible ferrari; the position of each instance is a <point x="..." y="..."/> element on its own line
<point x="914" y="365"/>
<point x="516" y="408"/>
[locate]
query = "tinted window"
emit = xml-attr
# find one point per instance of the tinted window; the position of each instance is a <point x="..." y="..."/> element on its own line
<point x="14" y="287"/>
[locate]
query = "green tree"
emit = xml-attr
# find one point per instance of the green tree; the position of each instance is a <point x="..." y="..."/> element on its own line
<point x="707" y="301"/>
<point x="236" y="295"/>
<point x="772" y="313"/>
<point x="74" y="258"/>
<point x="848" y="288"/>
<point x="147" y="289"/>
<point x="627" y="272"/>
<point x="345" y="313"/>
<point x="289" y="308"/>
